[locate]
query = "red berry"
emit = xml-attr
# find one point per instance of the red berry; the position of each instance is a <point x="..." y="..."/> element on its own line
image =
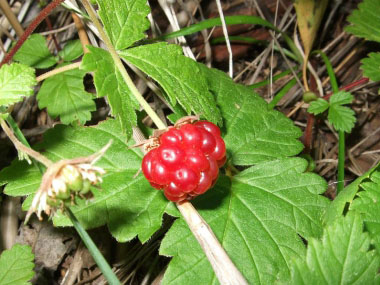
<point x="173" y="190"/>
<point x="204" y="183"/>
<point x="186" y="162"/>
<point x="192" y="137"/>
<point x="185" y="178"/>
<point x="170" y="156"/>
<point x="210" y="127"/>
<point x="219" y="150"/>
<point x="196" y="160"/>
<point x="221" y="162"/>
<point x="214" y="169"/>
<point x="173" y="198"/>
<point x="171" y="137"/>
<point x="208" y="141"/>
<point x="160" y="175"/>
<point x="147" y="164"/>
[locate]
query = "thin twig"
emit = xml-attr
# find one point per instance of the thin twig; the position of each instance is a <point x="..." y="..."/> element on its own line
<point x="11" y="17"/>
<point x="81" y="32"/>
<point x="225" y="32"/>
<point x="58" y="70"/>
<point x="20" y="147"/>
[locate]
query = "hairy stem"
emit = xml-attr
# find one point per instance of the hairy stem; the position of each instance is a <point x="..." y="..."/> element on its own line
<point x="96" y="254"/>
<point x="151" y="113"/>
<point x="41" y="16"/>
<point x="21" y="147"/>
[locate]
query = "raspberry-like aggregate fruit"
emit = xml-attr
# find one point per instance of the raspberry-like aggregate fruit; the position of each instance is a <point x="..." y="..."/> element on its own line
<point x="186" y="162"/>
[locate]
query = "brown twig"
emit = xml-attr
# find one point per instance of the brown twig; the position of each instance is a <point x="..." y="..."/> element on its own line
<point x="11" y="17"/>
<point x="81" y="32"/>
<point x="41" y="16"/>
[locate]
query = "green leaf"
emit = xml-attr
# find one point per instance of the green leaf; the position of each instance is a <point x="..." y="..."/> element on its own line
<point x="64" y="95"/>
<point x="16" y="82"/>
<point x="35" y="53"/>
<point x="16" y="265"/>
<point x="341" y="257"/>
<point x="253" y="132"/>
<point x="124" y="21"/>
<point x="178" y="75"/>
<point x="371" y="66"/>
<point x="345" y="198"/>
<point x="365" y="21"/>
<point x="126" y="202"/>
<point x="318" y="106"/>
<point x="342" y="118"/>
<point x="367" y="203"/>
<point x="258" y="217"/>
<point x="341" y="98"/>
<point x="109" y="82"/>
<point x="72" y="50"/>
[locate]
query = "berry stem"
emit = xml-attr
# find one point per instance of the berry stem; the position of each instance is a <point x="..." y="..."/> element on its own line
<point x="96" y="254"/>
<point x="225" y="270"/>
<point x="151" y="113"/>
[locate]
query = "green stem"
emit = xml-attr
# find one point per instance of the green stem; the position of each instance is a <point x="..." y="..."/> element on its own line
<point x="341" y="158"/>
<point x="96" y="254"/>
<point x="151" y="113"/>
<point x="282" y="92"/>
<point x="341" y="143"/>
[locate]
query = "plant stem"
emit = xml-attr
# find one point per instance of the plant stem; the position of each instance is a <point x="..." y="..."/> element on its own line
<point x="21" y="147"/>
<point x="96" y="254"/>
<point x="58" y="70"/>
<point x="41" y="16"/>
<point x="341" y="158"/>
<point x="151" y="113"/>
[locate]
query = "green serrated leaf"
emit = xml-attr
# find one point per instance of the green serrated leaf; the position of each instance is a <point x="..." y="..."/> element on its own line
<point x="253" y="132"/>
<point x="178" y="75"/>
<point x="35" y="53"/>
<point x="16" y="265"/>
<point x="257" y="217"/>
<point x="341" y="98"/>
<point x="16" y="82"/>
<point x="72" y="50"/>
<point x="365" y="21"/>
<point x="341" y="257"/>
<point x="318" y="106"/>
<point x="126" y="202"/>
<point x="367" y="203"/>
<point x="124" y="21"/>
<point x="109" y="82"/>
<point x="342" y="118"/>
<point x="371" y="66"/>
<point x="64" y="95"/>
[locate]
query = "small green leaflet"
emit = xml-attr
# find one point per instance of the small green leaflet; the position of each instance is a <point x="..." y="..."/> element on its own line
<point x="16" y="265"/>
<point x="72" y="50"/>
<point x="343" y="256"/>
<point x="367" y="203"/>
<point x="258" y="217"/>
<point x="342" y="118"/>
<point x="365" y="21"/>
<point x="371" y="66"/>
<point x="124" y="20"/>
<point x="126" y="202"/>
<point x="16" y="82"/>
<point x="179" y="76"/>
<point x="64" y="95"/>
<point x="318" y="106"/>
<point x="109" y="82"/>
<point x="253" y="132"/>
<point x="35" y="53"/>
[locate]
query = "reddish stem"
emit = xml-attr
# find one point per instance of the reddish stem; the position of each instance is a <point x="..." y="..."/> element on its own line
<point x="41" y="16"/>
<point x="50" y="27"/>
<point x="364" y="80"/>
